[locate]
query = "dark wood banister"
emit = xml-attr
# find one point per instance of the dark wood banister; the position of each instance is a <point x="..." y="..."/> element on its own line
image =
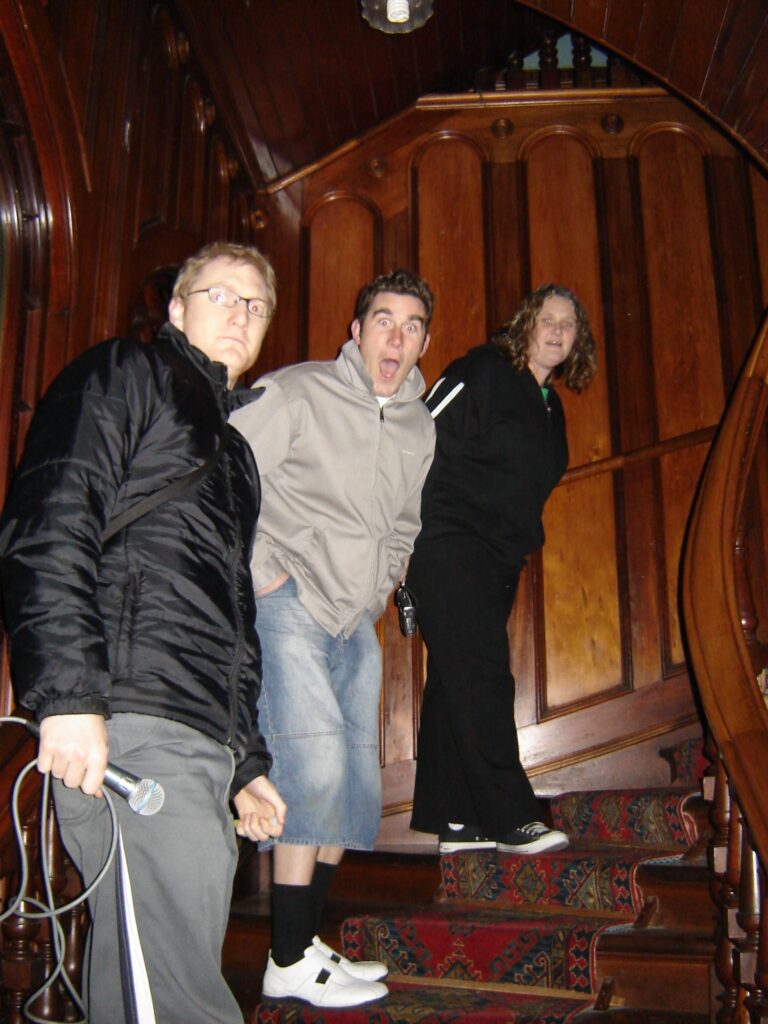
<point x="721" y="660"/>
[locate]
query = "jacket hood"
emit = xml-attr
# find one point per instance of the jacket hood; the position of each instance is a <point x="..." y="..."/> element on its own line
<point x="355" y="372"/>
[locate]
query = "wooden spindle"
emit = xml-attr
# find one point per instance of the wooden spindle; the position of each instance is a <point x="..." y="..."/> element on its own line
<point x="514" y="71"/>
<point x="747" y="916"/>
<point x="549" y="74"/>
<point x="23" y="968"/>
<point x="583" y="77"/>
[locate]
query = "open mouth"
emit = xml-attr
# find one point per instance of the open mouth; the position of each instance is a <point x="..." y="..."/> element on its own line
<point x="388" y="368"/>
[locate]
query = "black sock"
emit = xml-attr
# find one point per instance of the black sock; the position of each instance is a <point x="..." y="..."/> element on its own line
<point x="293" y="925"/>
<point x="321" y="880"/>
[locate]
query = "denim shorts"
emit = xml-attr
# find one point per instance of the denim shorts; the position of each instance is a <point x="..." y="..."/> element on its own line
<point x="319" y="711"/>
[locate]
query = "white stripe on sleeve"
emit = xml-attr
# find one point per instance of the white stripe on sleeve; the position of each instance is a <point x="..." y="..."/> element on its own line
<point x="448" y="398"/>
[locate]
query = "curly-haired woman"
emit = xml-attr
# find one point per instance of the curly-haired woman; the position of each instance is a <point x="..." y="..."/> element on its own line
<point x="501" y="448"/>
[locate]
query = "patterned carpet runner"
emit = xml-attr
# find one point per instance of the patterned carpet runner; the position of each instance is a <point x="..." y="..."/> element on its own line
<point x="433" y="1005"/>
<point x="582" y="878"/>
<point x="549" y="951"/>
<point x="512" y="938"/>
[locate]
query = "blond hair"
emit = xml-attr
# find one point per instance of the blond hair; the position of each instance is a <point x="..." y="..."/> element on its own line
<point x="233" y="251"/>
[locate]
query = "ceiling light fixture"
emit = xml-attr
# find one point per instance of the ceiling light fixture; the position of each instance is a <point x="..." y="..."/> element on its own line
<point x="396" y="15"/>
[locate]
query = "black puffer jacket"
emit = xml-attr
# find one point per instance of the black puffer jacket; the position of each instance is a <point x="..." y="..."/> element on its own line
<point x="160" y="619"/>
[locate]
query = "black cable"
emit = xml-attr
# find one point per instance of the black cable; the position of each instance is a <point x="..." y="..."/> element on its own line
<point x="47" y="909"/>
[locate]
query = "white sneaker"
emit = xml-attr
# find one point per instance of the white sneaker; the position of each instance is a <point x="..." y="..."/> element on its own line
<point x="535" y="837"/>
<point x="319" y="981"/>
<point x="366" y="970"/>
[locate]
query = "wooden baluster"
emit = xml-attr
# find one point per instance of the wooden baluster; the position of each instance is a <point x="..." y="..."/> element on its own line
<point x="514" y="73"/>
<point x="757" y="1000"/>
<point x="484" y="80"/>
<point x="747" y="918"/>
<point x="621" y="74"/>
<point x="549" y="74"/>
<point x="23" y="970"/>
<point x="52" y="1003"/>
<point x="75" y="924"/>
<point x="583" y="76"/>
<point x="724" y="856"/>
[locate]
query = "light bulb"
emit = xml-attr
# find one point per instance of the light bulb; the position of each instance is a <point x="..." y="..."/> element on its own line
<point x="398" y="11"/>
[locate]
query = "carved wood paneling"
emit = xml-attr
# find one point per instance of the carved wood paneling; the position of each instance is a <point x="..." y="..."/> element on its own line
<point x="641" y="206"/>
<point x="581" y="596"/>
<point x="156" y="122"/>
<point x="714" y="53"/>
<point x="625" y="201"/>
<point x="342" y="236"/>
<point x="680" y="271"/>
<point x="109" y="169"/>
<point x="679" y="473"/>
<point x="448" y="212"/>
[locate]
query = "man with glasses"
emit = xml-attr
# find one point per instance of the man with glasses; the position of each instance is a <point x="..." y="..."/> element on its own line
<point x="343" y="448"/>
<point x="137" y="645"/>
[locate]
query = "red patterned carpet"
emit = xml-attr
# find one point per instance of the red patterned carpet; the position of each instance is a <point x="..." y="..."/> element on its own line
<point x="512" y="938"/>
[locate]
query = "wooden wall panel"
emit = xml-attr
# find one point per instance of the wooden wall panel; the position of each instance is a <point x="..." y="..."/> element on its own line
<point x="563" y="247"/>
<point x="680" y="472"/>
<point x="217" y="198"/>
<point x="581" y="595"/>
<point x="640" y="582"/>
<point x="107" y="168"/>
<point x="342" y="241"/>
<point x="508" y="214"/>
<point x="582" y="625"/>
<point x="449" y="204"/>
<point x="490" y="199"/>
<point x="628" y="198"/>
<point x="157" y="121"/>
<point x="681" y="282"/>
<point x="191" y="155"/>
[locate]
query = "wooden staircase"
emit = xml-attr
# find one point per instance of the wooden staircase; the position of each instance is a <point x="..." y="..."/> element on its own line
<point x="641" y="938"/>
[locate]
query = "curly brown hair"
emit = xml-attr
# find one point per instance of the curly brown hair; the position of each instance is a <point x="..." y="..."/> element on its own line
<point x="513" y="338"/>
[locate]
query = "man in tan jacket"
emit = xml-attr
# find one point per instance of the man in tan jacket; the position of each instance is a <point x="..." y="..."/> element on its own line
<point x="343" y="448"/>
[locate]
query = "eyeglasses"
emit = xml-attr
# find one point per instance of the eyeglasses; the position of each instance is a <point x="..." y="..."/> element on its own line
<point x="221" y="296"/>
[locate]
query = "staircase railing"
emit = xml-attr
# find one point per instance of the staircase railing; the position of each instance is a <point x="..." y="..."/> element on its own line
<point x="727" y="657"/>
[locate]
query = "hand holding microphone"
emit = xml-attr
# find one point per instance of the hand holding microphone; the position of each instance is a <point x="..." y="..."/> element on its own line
<point x="64" y="738"/>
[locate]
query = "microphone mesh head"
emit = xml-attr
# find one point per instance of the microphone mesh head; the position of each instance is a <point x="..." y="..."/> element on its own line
<point x="147" y="797"/>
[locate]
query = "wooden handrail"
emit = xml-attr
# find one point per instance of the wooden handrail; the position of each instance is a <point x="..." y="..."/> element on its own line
<point x="720" y="658"/>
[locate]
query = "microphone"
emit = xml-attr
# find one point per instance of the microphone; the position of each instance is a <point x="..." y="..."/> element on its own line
<point x="144" y="796"/>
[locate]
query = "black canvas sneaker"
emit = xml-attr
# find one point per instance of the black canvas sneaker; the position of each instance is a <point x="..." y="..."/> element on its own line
<point x="455" y="837"/>
<point x="535" y="837"/>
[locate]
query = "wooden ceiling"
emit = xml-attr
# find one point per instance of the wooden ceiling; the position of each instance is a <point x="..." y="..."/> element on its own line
<point x="304" y="76"/>
<point x="713" y="52"/>
<point x="298" y="78"/>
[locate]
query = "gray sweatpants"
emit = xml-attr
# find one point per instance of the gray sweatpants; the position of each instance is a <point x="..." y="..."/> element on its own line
<point x="181" y="863"/>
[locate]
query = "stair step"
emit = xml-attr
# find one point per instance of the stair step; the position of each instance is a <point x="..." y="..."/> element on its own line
<point x="676" y="893"/>
<point x="638" y="1015"/>
<point x="500" y="938"/>
<point x="657" y="967"/>
<point x="663" y="818"/>
<point x="433" y="1003"/>
<point x="385" y="878"/>
<point x="550" y="951"/>
<point x="585" y="878"/>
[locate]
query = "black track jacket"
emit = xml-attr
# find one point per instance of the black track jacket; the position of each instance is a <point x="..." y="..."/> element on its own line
<point x="500" y="450"/>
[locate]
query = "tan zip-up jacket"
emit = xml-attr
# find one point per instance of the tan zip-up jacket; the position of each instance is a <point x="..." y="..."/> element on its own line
<point x="341" y="481"/>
